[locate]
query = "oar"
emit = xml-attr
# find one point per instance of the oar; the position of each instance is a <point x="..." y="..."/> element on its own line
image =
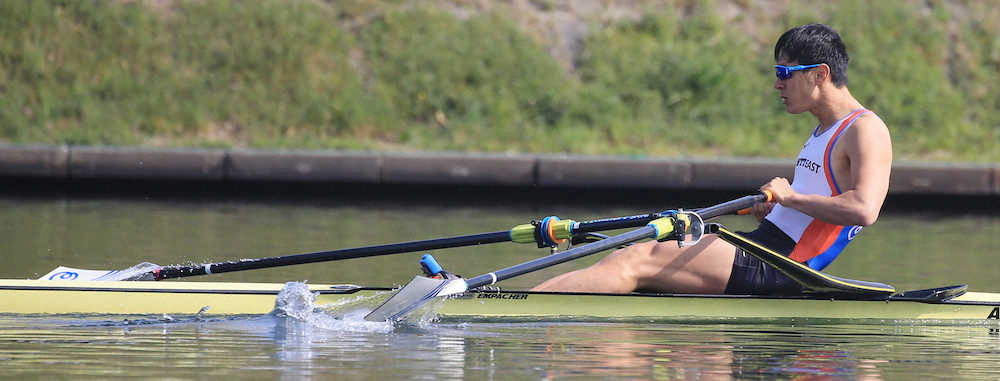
<point x="547" y="232"/>
<point x="422" y="289"/>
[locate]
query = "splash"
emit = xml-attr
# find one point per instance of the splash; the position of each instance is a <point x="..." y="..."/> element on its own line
<point x="298" y="303"/>
<point x="424" y="316"/>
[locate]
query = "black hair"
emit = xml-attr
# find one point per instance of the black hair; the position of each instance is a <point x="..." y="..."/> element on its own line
<point x="815" y="44"/>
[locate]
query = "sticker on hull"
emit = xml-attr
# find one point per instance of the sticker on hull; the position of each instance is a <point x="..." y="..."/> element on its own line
<point x="489" y="295"/>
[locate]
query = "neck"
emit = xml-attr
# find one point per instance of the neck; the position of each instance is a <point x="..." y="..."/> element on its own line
<point x="835" y="104"/>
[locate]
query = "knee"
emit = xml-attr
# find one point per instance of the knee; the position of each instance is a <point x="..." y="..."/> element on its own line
<point x="627" y="260"/>
<point x="643" y="260"/>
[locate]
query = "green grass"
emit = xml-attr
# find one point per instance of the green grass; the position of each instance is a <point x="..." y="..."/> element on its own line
<point x="400" y="75"/>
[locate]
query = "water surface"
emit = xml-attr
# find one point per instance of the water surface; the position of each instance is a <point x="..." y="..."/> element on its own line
<point x="280" y="347"/>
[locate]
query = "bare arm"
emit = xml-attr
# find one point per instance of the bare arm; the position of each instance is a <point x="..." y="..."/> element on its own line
<point x="868" y="151"/>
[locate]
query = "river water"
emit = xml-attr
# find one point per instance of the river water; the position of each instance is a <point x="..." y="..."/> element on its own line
<point x="905" y="249"/>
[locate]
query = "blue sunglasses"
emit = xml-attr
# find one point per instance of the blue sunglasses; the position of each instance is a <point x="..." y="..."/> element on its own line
<point x="785" y="72"/>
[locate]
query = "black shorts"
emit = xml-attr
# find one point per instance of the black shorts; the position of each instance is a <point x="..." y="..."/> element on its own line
<point x="750" y="276"/>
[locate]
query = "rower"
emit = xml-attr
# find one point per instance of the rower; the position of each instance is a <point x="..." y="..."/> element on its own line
<point x="841" y="180"/>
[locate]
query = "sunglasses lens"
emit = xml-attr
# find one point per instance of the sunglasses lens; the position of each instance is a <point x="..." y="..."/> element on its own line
<point x="781" y="73"/>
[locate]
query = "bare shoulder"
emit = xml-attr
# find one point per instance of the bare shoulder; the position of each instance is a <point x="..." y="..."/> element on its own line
<point x="870" y="123"/>
<point x="869" y="132"/>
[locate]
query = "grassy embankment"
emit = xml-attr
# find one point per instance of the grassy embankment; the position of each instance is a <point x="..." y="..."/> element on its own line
<point x="305" y="74"/>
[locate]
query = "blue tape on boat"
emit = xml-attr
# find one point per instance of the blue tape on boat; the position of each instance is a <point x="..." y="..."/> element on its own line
<point x="430" y="265"/>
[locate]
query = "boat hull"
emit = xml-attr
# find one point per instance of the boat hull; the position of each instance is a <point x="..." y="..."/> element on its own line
<point x="143" y="298"/>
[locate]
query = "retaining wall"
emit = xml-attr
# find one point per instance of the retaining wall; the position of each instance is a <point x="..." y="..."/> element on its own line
<point x="541" y="171"/>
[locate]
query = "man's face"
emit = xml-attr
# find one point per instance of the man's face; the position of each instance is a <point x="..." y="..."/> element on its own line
<point x="799" y="91"/>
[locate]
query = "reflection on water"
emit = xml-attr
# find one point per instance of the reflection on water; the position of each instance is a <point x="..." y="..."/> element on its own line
<point x="274" y="347"/>
<point x="281" y="346"/>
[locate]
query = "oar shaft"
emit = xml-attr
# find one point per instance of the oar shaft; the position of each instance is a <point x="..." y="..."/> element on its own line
<point x="332" y="255"/>
<point x="568" y="255"/>
<point x="616" y="223"/>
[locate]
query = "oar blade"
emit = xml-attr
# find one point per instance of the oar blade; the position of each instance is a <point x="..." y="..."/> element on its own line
<point x="142" y="271"/>
<point x="413" y="295"/>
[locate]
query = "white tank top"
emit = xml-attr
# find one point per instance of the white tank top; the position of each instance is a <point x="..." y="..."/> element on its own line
<point x="817" y="243"/>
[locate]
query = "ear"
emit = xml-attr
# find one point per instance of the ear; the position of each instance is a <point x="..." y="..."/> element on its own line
<point x="822" y="72"/>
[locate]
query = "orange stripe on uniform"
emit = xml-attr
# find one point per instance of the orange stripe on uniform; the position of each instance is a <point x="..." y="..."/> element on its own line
<point x="817" y="237"/>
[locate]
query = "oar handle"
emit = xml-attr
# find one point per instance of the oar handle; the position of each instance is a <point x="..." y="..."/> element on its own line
<point x="737" y="206"/>
<point x="767" y="193"/>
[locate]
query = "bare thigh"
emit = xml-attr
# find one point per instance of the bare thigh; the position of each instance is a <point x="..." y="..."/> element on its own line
<point x="663" y="267"/>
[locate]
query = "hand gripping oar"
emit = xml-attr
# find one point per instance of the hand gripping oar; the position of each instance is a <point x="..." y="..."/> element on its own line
<point x="545" y="232"/>
<point x="671" y="227"/>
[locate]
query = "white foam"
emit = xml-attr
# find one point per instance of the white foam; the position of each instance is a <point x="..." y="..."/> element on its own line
<point x="296" y="302"/>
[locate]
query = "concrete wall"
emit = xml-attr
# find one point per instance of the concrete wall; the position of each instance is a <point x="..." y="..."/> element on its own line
<point x="541" y="171"/>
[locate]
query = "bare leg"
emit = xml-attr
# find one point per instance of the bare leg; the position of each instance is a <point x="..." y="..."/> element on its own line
<point x="702" y="268"/>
